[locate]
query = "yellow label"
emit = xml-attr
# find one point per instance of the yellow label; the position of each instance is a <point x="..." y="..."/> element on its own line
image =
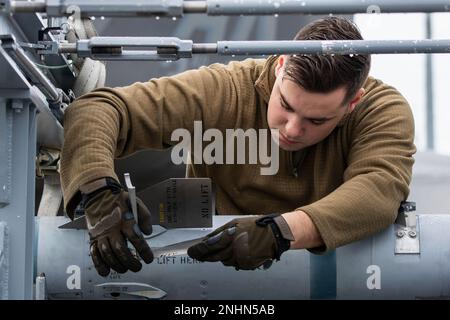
<point x="161" y="213"/>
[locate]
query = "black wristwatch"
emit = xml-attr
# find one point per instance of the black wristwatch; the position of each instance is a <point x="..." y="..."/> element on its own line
<point x="282" y="232"/>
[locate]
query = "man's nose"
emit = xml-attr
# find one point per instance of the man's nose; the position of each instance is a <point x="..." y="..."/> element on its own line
<point x="294" y="129"/>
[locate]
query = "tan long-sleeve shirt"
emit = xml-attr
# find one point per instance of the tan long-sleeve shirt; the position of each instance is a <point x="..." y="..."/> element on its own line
<point x="350" y="184"/>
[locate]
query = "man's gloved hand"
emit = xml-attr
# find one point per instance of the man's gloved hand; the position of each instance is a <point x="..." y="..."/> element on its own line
<point x="245" y="243"/>
<point x="111" y="223"/>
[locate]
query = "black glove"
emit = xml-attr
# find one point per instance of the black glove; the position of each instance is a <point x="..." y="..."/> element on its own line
<point x="111" y="223"/>
<point x="245" y="243"/>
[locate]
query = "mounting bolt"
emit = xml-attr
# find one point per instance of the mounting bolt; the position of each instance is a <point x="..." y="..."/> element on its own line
<point x="400" y="234"/>
<point x="412" y="234"/>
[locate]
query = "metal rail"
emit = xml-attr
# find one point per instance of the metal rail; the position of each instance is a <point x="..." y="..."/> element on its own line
<point x="170" y="48"/>
<point x="174" y="8"/>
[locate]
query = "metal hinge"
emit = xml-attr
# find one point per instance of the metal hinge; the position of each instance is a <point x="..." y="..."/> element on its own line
<point x="406" y="228"/>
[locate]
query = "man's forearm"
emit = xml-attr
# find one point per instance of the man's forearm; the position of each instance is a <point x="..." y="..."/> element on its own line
<point x="305" y="232"/>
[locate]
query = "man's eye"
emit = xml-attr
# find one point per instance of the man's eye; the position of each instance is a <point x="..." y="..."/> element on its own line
<point x="317" y="122"/>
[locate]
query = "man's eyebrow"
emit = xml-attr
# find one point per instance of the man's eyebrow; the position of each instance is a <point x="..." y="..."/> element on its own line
<point x="285" y="102"/>
<point x="314" y="119"/>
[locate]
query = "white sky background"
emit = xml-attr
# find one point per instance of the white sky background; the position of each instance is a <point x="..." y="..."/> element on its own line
<point x="407" y="72"/>
<point x="441" y="68"/>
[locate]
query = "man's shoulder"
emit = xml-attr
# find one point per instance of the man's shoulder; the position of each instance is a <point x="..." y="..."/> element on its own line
<point x="381" y="95"/>
<point x="381" y="103"/>
<point x="376" y="88"/>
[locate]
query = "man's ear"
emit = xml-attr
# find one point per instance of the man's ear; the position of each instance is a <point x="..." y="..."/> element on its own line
<point x="352" y="104"/>
<point x="280" y="64"/>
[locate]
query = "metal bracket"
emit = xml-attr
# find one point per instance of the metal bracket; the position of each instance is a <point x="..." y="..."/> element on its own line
<point x="406" y="228"/>
<point x="47" y="47"/>
<point x="132" y="195"/>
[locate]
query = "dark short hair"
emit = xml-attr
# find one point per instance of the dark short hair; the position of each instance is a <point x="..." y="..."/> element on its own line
<point x="324" y="72"/>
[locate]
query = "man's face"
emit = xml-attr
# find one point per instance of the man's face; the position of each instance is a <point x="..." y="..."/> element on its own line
<point x="304" y="118"/>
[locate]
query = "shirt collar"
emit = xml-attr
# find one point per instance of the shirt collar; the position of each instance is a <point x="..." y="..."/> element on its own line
<point x="266" y="79"/>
